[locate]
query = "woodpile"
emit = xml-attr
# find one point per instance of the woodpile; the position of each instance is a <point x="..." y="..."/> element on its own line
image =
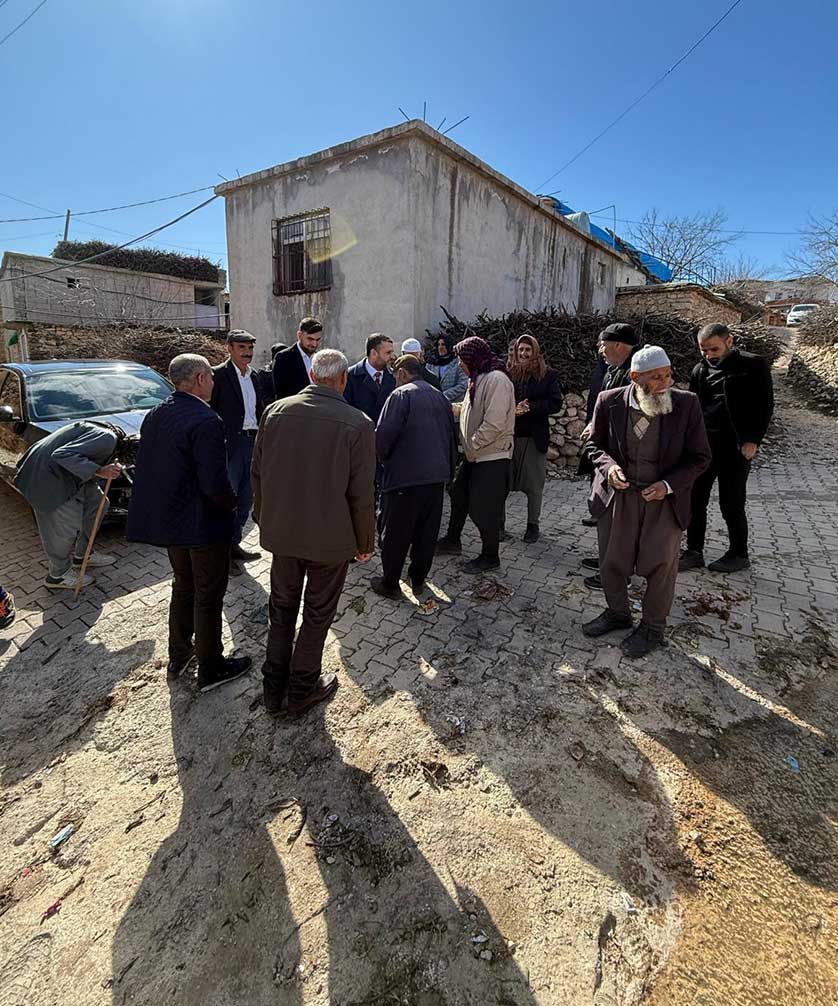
<point x="820" y="328"/>
<point x="813" y="369"/>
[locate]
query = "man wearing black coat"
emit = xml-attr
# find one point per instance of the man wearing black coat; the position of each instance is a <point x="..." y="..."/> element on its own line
<point x="237" y="397"/>
<point x="369" y="381"/>
<point x="182" y="500"/>
<point x="292" y="366"/>
<point x="737" y="399"/>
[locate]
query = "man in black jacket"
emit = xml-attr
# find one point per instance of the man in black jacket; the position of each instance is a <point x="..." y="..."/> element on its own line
<point x="416" y="442"/>
<point x="737" y="399"/>
<point x="292" y="366"/>
<point x="182" y="499"/>
<point x="237" y="397"/>
<point x="369" y="381"/>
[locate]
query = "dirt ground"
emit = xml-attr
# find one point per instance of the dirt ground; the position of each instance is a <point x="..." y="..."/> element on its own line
<point x="491" y="810"/>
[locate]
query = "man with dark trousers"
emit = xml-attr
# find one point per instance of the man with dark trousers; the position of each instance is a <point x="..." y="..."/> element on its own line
<point x="182" y="500"/>
<point x="369" y="381"/>
<point x="416" y="441"/>
<point x="292" y="366"/>
<point x="238" y="398"/>
<point x="737" y="399"/>
<point x="313" y="472"/>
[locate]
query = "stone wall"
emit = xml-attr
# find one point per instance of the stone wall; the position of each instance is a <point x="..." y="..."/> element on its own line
<point x="813" y="371"/>
<point x="688" y="300"/>
<point x="565" y="429"/>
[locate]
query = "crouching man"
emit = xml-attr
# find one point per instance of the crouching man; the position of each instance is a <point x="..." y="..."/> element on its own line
<point x="649" y="446"/>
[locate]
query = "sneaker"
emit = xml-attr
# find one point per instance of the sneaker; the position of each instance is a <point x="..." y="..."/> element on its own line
<point x="230" y="669"/>
<point x="274" y="699"/>
<point x="690" y="559"/>
<point x="532" y="533"/>
<point x="593" y="582"/>
<point x="7" y="610"/>
<point x="642" y="641"/>
<point x="591" y="562"/>
<point x="378" y="585"/>
<point x="608" y="621"/>
<point x="325" y="688"/>
<point x="447" y="546"/>
<point x="730" y="563"/>
<point x="95" y="560"/>
<point x="238" y="553"/>
<point x="480" y="565"/>
<point x="69" y="581"/>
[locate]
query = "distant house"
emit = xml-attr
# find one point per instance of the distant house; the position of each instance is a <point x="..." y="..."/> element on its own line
<point x="40" y="289"/>
<point x="376" y="234"/>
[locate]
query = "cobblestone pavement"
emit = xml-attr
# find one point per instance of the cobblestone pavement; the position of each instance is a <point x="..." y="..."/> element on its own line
<point x="624" y="863"/>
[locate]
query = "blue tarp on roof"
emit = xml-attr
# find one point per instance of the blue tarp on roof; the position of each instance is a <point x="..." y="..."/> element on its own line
<point x="657" y="268"/>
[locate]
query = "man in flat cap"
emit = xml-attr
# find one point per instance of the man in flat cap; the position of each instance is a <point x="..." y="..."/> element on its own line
<point x="650" y="446"/>
<point x="240" y="400"/>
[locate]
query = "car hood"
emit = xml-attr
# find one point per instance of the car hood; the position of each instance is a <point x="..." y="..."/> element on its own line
<point x="128" y="421"/>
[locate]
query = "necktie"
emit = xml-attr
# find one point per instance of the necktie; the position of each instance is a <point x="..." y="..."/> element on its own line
<point x="377" y="378"/>
<point x="640" y="427"/>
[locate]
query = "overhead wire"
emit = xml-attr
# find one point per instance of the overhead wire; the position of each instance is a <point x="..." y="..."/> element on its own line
<point x="88" y="213"/>
<point x="645" y="94"/>
<point x="17" y="28"/>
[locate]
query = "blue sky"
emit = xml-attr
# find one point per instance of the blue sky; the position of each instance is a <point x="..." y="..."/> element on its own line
<point x="110" y="101"/>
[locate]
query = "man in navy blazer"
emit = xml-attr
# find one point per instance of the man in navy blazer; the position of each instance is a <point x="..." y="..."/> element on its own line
<point x="237" y="397"/>
<point x="370" y="381"/>
<point x="292" y="366"/>
<point x="182" y="500"/>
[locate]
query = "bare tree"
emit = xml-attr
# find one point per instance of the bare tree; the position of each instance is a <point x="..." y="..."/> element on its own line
<point x="740" y="271"/>
<point x="693" y="247"/>
<point x="818" y="251"/>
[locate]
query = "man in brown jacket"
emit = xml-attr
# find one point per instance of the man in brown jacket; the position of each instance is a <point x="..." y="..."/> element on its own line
<point x="313" y="475"/>
<point x="487" y="429"/>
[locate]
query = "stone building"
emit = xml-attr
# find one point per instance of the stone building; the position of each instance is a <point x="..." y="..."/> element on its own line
<point x="686" y="299"/>
<point x="376" y="234"/>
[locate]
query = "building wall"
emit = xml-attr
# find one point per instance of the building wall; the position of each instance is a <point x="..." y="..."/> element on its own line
<point x="629" y="275"/>
<point x="686" y="300"/>
<point x="104" y="295"/>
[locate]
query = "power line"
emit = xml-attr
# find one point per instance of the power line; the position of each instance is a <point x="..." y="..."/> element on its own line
<point x="133" y="241"/>
<point x="5" y="38"/>
<point x="645" y="94"/>
<point x="87" y="213"/>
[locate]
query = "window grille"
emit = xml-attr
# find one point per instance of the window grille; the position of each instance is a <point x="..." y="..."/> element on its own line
<point x="302" y="250"/>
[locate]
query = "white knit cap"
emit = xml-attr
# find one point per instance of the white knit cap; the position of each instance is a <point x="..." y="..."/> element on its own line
<point x="411" y="346"/>
<point x="649" y="358"/>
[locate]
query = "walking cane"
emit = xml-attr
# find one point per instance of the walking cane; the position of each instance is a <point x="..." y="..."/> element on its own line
<point x="93" y="533"/>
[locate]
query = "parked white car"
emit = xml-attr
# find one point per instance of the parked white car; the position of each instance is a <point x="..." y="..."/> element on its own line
<point x="799" y="312"/>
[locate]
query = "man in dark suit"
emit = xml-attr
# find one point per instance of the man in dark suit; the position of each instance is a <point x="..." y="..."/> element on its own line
<point x="237" y="397"/>
<point x="182" y="500"/>
<point x="313" y="501"/>
<point x="649" y="448"/>
<point x="292" y="366"/>
<point x="369" y="381"/>
<point x="737" y="398"/>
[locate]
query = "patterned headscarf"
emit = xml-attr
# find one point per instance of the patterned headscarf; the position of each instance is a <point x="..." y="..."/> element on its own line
<point x="477" y="355"/>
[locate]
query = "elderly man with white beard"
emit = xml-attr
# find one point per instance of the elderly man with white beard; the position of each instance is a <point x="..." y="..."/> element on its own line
<point x="650" y="446"/>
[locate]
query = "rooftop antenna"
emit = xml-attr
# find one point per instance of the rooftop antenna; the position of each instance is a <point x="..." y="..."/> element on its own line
<point x="444" y="120"/>
<point x="404" y="113"/>
<point x="447" y="131"/>
<point x="424" y="111"/>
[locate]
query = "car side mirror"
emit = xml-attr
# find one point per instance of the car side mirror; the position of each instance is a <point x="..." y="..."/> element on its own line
<point x="7" y="414"/>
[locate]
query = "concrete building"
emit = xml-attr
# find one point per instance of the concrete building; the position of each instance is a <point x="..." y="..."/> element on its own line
<point x="375" y="234"/>
<point x="39" y="289"/>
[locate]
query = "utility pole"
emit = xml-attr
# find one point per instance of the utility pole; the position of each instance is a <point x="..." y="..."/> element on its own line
<point x="67" y="225"/>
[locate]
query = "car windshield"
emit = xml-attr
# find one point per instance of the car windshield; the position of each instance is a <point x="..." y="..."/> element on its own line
<point x="804" y="308"/>
<point x="74" y="395"/>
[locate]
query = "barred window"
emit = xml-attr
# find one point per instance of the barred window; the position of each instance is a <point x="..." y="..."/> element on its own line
<point x="302" y="251"/>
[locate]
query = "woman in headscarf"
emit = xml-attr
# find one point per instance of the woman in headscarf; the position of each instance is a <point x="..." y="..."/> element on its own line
<point x="487" y="424"/>
<point x="444" y="365"/>
<point x="538" y="395"/>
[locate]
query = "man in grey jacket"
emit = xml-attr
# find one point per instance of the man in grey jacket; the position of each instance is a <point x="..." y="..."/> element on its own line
<point x="416" y="441"/>
<point x="58" y="477"/>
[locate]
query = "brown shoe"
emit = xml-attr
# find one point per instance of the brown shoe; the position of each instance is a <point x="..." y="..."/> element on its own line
<point x="324" y="689"/>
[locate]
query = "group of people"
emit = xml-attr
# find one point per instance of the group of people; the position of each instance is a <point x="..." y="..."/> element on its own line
<point x="330" y="459"/>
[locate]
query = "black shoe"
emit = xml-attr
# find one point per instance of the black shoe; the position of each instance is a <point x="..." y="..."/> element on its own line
<point x="230" y="669"/>
<point x="274" y="699"/>
<point x="418" y="588"/>
<point x="235" y="568"/>
<point x="642" y="641"/>
<point x="690" y="559"/>
<point x="591" y="562"/>
<point x="532" y="533"/>
<point x="589" y="521"/>
<point x="7" y="611"/>
<point x="237" y="552"/>
<point x="608" y="621"/>
<point x="730" y="563"/>
<point x="177" y="667"/>
<point x="504" y="535"/>
<point x="326" y="687"/>
<point x="480" y="565"/>
<point x="593" y="582"/>
<point x="380" y="587"/>
<point x="447" y="546"/>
